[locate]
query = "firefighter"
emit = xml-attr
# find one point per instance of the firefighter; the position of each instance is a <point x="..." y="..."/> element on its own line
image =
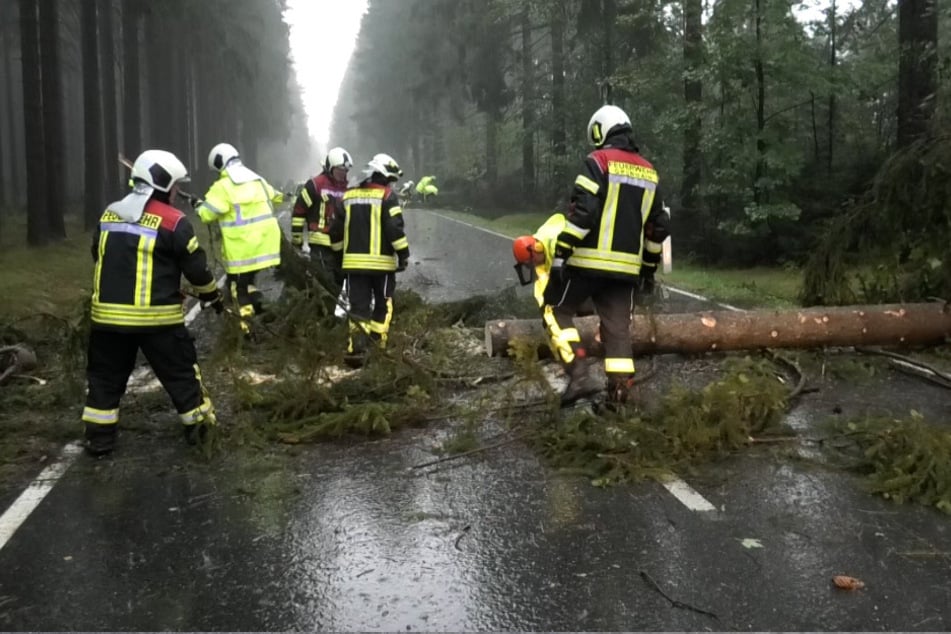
<point x="242" y="203"/>
<point x="534" y="253"/>
<point x="426" y="187"/>
<point x="141" y="248"/>
<point x="315" y="207"/>
<point x="608" y="250"/>
<point x="369" y="232"/>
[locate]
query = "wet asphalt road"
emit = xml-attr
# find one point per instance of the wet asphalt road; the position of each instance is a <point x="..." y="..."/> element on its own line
<point x="346" y="536"/>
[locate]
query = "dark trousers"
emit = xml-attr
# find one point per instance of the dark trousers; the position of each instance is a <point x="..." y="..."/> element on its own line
<point x="368" y="290"/>
<point x="329" y="262"/>
<point x="243" y="291"/>
<point x="171" y="353"/>
<point x="614" y="301"/>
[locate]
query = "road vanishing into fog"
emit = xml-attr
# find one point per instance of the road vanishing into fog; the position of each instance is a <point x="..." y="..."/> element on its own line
<point x="346" y="536"/>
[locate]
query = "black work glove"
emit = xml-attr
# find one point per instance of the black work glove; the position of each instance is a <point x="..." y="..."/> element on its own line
<point x="214" y="300"/>
<point x="192" y="200"/>
<point x="646" y="285"/>
<point x="402" y="264"/>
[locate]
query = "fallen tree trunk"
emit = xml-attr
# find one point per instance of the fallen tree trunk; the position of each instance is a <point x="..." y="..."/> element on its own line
<point x="876" y="325"/>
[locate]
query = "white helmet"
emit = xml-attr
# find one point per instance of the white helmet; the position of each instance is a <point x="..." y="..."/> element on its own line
<point x="337" y="157"/>
<point x="159" y="169"/>
<point x="606" y="120"/>
<point x="385" y="165"/>
<point x="220" y="155"/>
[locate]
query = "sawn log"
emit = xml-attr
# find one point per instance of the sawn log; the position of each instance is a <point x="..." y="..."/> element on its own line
<point x="875" y="325"/>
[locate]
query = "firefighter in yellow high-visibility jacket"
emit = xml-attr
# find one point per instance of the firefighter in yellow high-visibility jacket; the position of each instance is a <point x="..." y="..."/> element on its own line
<point x="242" y="203"/>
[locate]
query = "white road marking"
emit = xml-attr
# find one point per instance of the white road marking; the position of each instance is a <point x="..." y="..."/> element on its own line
<point x="687" y="495"/>
<point x="14" y="516"/>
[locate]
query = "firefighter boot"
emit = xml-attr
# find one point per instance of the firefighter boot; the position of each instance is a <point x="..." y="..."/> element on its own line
<point x="357" y="351"/>
<point x="620" y="391"/>
<point x="581" y="382"/>
<point x="100" y="439"/>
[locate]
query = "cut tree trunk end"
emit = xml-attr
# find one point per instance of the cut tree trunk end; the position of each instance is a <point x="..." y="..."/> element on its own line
<point x="712" y="331"/>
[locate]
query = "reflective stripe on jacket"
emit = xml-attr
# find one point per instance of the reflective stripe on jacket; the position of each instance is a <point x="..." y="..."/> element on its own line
<point x="250" y="235"/>
<point x="314" y="209"/>
<point x="370" y="229"/>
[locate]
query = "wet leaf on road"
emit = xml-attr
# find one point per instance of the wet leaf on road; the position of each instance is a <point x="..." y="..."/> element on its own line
<point x="847" y="583"/>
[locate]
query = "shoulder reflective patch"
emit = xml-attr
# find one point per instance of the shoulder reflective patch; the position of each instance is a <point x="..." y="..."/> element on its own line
<point x="192" y="245"/>
<point x="633" y="171"/>
<point x="587" y="184"/>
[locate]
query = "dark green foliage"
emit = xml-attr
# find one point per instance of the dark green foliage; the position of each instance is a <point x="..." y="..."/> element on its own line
<point x="903" y="224"/>
<point x="905" y="460"/>
<point x="688" y="428"/>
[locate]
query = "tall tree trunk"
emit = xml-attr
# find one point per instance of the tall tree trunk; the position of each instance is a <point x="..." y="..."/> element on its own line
<point x="691" y="197"/>
<point x="608" y="17"/>
<point x="110" y="108"/>
<point x="93" y="174"/>
<point x="832" y="81"/>
<point x="528" y="108"/>
<point x="7" y="146"/>
<point x="491" y="148"/>
<point x="917" y="42"/>
<point x="760" y="172"/>
<point x="131" y="90"/>
<point x="558" y="116"/>
<point x="54" y="146"/>
<point x="17" y="146"/>
<point x="37" y="222"/>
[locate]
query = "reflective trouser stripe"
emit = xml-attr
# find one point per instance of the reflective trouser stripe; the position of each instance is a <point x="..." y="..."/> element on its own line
<point x="204" y="413"/>
<point x="100" y="416"/>
<point x="618" y="366"/>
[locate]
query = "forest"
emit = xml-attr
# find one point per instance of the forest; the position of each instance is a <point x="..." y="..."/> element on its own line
<point x="87" y="80"/>
<point x="785" y="134"/>
<point x="767" y="119"/>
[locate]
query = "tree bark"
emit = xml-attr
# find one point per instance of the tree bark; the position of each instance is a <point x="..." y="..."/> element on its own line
<point x="559" y="142"/>
<point x="93" y="175"/>
<point x="759" y="194"/>
<point x="528" y="108"/>
<point x="917" y="44"/>
<point x="131" y="90"/>
<point x="691" y="200"/>
<point x="110" y="108"/>
<point x="889" y="324"/>
<point x="54" y="146"/>
<point x="36" y="182"/>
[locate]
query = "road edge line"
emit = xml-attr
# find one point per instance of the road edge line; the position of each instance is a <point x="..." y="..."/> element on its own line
<point x="34" y="493"/>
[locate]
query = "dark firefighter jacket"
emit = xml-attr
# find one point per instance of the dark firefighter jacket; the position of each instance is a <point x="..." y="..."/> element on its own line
<point x="616" y="219"/>
<point x="314" y="208"/>
<point x="370" y="229"/>
<point x="139" y="267"/>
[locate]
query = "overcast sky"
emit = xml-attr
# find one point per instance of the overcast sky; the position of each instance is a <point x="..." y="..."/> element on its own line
<point x="323" y="34"/>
